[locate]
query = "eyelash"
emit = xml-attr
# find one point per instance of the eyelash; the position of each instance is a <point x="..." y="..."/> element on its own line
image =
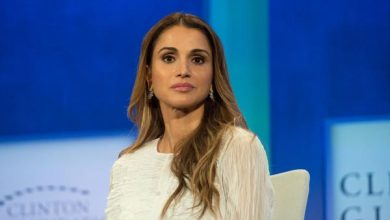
<point x="200" y="59"/>
<point x="165" y="57"/>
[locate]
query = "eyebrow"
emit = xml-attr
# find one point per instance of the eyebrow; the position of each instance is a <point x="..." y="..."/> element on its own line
<point x="175" y="50"/>
<point x="201" y="50"/>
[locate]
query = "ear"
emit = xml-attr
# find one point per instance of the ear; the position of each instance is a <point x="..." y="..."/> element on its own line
<point x="149" y="76"/>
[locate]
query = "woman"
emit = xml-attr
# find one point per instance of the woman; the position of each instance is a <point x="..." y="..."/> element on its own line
<point x="194" y="157"/>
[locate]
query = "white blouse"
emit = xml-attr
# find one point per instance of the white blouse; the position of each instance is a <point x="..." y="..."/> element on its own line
<point x="141" y="183"/>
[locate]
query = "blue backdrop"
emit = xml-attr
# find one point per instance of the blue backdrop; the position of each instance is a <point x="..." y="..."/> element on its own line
<point x="70" y="65"/>
<point x="328" y="59"/>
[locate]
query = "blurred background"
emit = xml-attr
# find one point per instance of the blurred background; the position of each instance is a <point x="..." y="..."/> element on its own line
<point x="311" y="77"/>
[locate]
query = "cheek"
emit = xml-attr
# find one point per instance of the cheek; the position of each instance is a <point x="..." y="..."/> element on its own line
<point x="205" y="83"/>
<point x="159" y="75"/>
<point x="208" y="76"/>
<point x="157" y="80"/>
<point x="158" y="71"/>
<point x="205" y="72"/>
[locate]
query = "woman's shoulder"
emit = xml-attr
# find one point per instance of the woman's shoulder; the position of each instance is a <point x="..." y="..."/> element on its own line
<point x="240" y="148"/>
<point x="238" y="135"/>
<point x="239" y="131"/>
<point x="145" y="150"/>
<point x="238" y="142"/>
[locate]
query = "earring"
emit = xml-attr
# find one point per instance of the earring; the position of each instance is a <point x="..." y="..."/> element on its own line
<point x="211" y="94"/>
<point x="150" y="93"/>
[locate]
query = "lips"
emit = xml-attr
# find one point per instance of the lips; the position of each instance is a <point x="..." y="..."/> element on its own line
<point x="182" y="87"/>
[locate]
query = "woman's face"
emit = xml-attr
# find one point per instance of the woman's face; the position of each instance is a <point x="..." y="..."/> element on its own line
<point x="182" y="68"/>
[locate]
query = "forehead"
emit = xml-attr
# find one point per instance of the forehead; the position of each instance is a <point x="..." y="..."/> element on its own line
<point x="182" y="37"/>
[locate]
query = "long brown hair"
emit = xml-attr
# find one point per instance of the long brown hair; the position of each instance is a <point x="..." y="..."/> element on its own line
<point x="195" y="157"/>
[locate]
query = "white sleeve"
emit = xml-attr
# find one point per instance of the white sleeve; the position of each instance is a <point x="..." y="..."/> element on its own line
<point x="245" y="180"/>
<point x="112" y="210"/>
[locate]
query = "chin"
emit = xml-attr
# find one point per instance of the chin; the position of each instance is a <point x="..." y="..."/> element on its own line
<point x="187" y="107"/>
<point x="187" y="104"/>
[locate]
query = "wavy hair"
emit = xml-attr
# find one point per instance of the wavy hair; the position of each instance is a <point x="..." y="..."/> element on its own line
<point x="195" y="158"/>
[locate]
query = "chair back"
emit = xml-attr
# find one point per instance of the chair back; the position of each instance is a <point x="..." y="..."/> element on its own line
<point x="291" y="190"/>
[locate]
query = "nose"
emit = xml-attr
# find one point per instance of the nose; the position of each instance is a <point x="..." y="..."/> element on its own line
<point x="184" y="70"/>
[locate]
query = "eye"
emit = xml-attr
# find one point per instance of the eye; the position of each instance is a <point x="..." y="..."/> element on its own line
<point x="198" y="60"/>
<point x="168" y="58"/>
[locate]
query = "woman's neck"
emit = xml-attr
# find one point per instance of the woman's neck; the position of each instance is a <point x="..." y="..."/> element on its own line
<point x="178" y="124"/>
